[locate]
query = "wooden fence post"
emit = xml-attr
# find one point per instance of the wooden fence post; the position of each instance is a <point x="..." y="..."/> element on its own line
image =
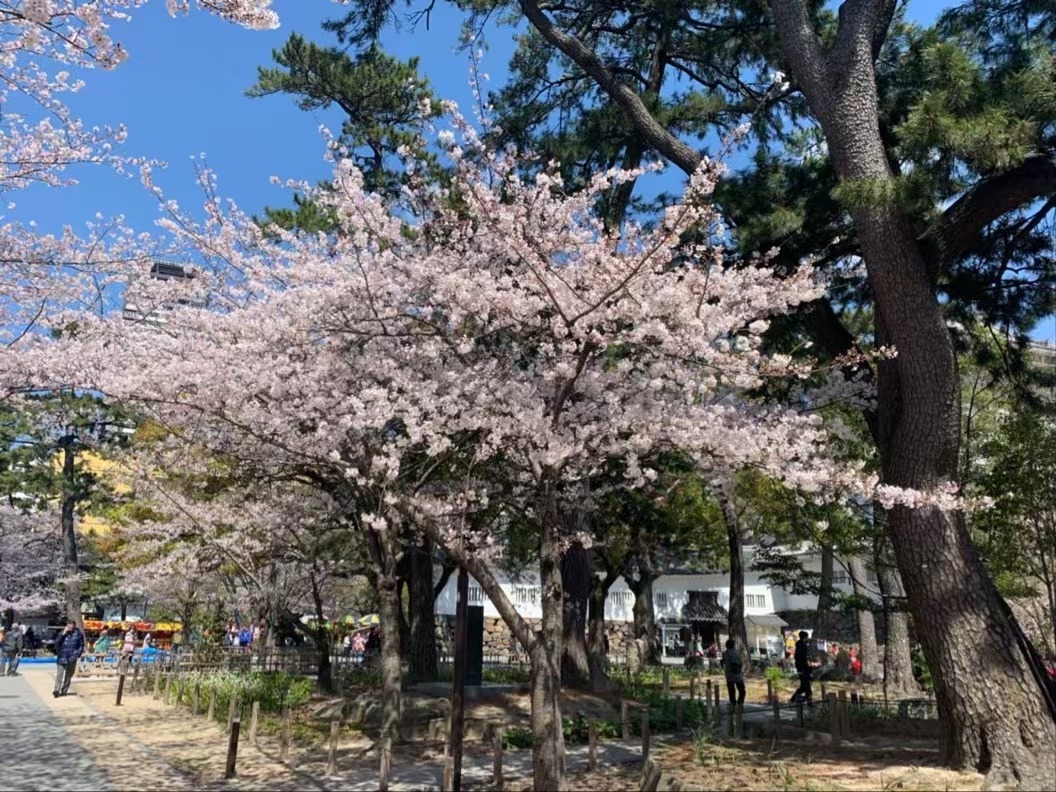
<point x="679" y="714"/>
<point x="625" y="719"/>
<point x="211" y="714"/>
<point x="834" y="719"/>
<point x="692" y="687"/>
<point x="496" y="769"/>
<point x="447" y="777"/>
<point x="386" y="766"/>
<point x="120" y="688"/>
<point x="718" y="710"/>
<point x="645" y="733"/>
<point x="232" y="744"/>
<point x="284" y="745"/>
<point x="592" y="743"/>
<point x="196" y="698"/>
<point x="254" y="720"/>
<point x="824" y="694"/>
<point x="232" y="710"/>
<point x="331" y="759"/>
<point x="770" y="691"/>
<point x="845" y="716"/>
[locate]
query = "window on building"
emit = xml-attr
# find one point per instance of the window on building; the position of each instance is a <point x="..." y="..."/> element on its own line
<point x="660" y="599"/>
<point x="620" y="599"/>
<point x="840" y="577"/>
<point x="525" y="595"/>
<point x="476" y="595"/>
<point x="755" y="600"/>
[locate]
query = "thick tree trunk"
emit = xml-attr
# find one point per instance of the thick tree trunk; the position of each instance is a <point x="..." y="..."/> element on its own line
<point x="868" y="653"/>
<point x="640" y="573"/>
<point x="823" y="616"/>
<point x="575" y="579"/>
<point x="548" y="741"/>
<point x="735" y="540"/>
<point x="322" y="639"/>
<point x="996" y="717"/>
<point x="647" y="648"/>
<point x="390" y="660"/>
<point x="898" y="662"/>
<point x="71" y="564"/>
<point x="597" y="645"/>
<point x="421" y="649"/>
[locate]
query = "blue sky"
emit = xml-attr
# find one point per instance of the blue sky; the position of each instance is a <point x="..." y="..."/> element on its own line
<point x="180" y="94"/>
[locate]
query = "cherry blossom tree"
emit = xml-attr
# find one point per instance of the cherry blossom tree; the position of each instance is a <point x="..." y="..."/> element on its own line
<point x="478" y="351"/>
<point x="272" y="548"/>
<point x="30" y="560"/>
<point x="47" y="47"/>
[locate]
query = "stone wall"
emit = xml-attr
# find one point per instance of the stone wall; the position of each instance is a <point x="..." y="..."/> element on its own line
<point x="843" y="625"/>
<point x="500" y="647"/>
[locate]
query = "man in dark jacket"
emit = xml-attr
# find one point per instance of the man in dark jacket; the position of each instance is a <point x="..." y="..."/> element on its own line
<point x="803" y="668"/>
<point x="69" y="647"/>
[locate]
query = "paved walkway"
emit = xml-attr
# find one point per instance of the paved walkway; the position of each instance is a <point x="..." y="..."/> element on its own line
<point x="40" y="753"/>
<point x="52" y="743"/>
<point x="60" y="742"/>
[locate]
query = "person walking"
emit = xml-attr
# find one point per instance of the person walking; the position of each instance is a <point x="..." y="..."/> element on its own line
<point x="69" y="647"/>
<point x="732" y="667"/>
<point x="801" y="656"/>
<point x="12" y="647"/>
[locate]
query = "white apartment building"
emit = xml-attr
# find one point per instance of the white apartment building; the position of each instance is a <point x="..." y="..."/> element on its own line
<point x="671" y="594"/>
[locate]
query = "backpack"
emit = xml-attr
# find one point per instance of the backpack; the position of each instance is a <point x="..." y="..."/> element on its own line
<point x="733" y="665"/>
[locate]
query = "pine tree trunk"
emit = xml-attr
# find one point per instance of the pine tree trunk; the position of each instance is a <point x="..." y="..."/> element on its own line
<point x="735" y="541"/>
<point x="647" y="649"/>
<point x="575" y="580"/>
<point x="823" y="615"/>
<point x="597" y="650"/>
<point x="898" y="661"/>
<point x="548" y="742"/>
<point x="640" y="574"/>
<point x="992" y="705"/>
<point x="868" y="653"/>
<point x="322" y="639"/>
<point x="71" y="564"/>
<point x="390" y="659"/>
<point x="421" y="652"/>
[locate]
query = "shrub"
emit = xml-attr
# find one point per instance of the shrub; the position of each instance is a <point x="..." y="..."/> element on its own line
<point x="273" y="689"/>
<point x="776" y="677"/>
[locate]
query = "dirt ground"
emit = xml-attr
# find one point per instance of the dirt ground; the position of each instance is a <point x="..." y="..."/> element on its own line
<point x="863" y="764"/>
<point x="196" y="749"/>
